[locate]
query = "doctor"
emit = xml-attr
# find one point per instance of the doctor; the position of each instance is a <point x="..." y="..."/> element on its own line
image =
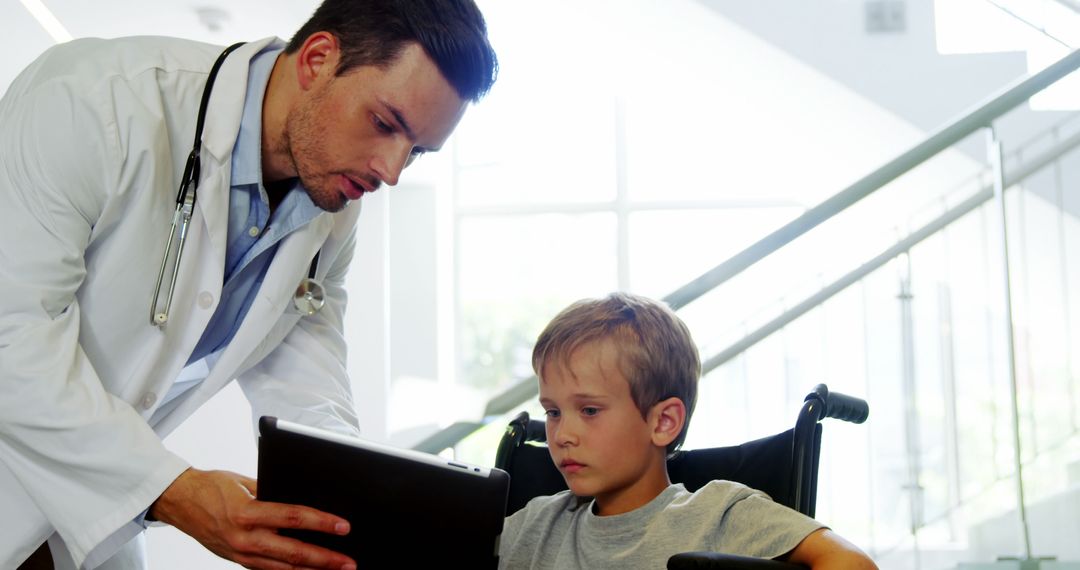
<point x="94" y="138"/>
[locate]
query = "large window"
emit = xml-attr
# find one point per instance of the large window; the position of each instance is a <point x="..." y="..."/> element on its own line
<point x="637" y="151"/>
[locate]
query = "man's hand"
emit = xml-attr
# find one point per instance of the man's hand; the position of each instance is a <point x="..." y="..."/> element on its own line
<point x="219" y="509"/>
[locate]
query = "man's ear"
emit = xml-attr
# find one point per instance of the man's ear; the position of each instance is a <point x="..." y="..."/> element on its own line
<point x="667" y="418"/>
<point x="319" y="55"/>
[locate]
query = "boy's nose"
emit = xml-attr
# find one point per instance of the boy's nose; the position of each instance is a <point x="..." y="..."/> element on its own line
<point x="564" y="435"/>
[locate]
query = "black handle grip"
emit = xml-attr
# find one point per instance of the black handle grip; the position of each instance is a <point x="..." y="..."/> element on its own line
<point x="718" y="561"/>
<point x="846" y="408"/>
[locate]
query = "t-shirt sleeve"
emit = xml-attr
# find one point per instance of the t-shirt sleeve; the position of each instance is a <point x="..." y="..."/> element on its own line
<point x="753" y="525"/>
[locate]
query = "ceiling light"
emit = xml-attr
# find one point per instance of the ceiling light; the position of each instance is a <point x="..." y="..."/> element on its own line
<point x="47" y="20"/>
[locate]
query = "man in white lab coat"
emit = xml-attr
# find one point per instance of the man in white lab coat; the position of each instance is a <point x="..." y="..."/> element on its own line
<point x="94" y="137"/>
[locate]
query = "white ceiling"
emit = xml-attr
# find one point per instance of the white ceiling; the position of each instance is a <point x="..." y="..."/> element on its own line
<point x="24" y="38"/>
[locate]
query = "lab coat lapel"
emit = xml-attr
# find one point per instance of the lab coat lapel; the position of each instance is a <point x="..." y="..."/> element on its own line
<point x="223" y="115"/>
<point x="203" y="266"/>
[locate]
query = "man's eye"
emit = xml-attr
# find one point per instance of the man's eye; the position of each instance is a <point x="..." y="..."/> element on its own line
<point x="590" y="410"/>
<point x="382" y="126"/>
<point x="415" y="153"/>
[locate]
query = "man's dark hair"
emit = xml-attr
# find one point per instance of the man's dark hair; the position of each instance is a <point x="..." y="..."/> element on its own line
<point x="373" y="32"/>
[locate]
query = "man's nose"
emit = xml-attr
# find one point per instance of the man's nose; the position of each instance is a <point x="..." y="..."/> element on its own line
<point x="392" y="159"/>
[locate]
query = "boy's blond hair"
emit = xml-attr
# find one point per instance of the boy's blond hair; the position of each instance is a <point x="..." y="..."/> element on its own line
<point x="657" y="355"/>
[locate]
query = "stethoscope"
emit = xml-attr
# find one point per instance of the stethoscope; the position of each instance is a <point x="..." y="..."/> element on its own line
<point x="309" y="297"/>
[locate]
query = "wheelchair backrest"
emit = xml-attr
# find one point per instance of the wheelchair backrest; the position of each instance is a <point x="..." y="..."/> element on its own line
<point x="764" y="464"/>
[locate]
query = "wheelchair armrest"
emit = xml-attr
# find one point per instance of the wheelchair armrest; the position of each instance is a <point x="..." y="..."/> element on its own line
<point x="718" y="561"/>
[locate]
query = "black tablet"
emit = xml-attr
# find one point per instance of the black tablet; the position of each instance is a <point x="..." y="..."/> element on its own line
<point x="406" y="507"/>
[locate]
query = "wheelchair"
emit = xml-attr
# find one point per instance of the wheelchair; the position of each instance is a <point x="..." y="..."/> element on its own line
<point x="784" y="466"/>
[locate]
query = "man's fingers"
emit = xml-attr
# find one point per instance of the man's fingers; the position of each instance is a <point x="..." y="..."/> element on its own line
<point x="290" y="553"/>
<point x="250" y="484"/>
<point x="263" y="563"/>
<point x="280" y="515"/>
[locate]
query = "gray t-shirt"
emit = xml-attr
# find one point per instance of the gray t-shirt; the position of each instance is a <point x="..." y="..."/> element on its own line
<point x="722" y="516"/>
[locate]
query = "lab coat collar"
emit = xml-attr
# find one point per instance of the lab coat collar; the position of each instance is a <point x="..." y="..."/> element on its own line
<point x="227" y="100"/>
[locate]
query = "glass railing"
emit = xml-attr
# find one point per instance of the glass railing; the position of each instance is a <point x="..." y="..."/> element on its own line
<point x="929" y="481"/>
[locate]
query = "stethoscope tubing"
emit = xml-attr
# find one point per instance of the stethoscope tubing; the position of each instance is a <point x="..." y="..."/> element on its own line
<point x="182" y="218"/>
<point x="185" y="201"/>
<point x="309" y="297"/>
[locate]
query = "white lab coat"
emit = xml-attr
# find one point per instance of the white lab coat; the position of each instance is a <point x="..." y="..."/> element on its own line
<point x="93" y="139"/>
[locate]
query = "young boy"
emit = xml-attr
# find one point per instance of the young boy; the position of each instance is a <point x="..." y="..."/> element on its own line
<point x="618" y="382"/>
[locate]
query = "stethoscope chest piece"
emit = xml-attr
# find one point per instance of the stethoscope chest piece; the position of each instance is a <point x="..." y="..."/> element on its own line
<point x="309" y="297"/>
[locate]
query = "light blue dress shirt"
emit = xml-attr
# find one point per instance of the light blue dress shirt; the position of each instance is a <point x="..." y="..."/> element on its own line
<point x="253" y="233"/>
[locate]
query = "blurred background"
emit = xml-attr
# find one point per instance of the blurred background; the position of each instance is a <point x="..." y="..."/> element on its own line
<point x="641" y="144"/>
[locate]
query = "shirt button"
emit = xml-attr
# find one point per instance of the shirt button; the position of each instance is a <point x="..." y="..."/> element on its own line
<point x="205" y="300"/>
<point x="254" y="231"/>
<point x="148" y="400"/>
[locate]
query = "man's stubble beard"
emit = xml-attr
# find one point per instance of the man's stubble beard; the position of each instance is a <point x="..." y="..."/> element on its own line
<point x="302" y="142"/>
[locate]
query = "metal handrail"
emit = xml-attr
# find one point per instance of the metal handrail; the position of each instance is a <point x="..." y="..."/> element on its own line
<point x="981" y="116"/>
<point x="526" y="389"/>
<point x="914" y="238"/>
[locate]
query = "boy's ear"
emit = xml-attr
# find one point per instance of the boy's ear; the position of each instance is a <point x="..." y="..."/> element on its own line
<point x="667" y="418"/>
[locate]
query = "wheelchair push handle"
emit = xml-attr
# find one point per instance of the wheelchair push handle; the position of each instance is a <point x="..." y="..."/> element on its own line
<point x="847" y="408"/>
<point x="841" y="406"/>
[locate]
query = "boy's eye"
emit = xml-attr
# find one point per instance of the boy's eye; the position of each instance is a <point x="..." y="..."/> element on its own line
<point x="590" y="410"/>
<point x="551" y="413"/>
